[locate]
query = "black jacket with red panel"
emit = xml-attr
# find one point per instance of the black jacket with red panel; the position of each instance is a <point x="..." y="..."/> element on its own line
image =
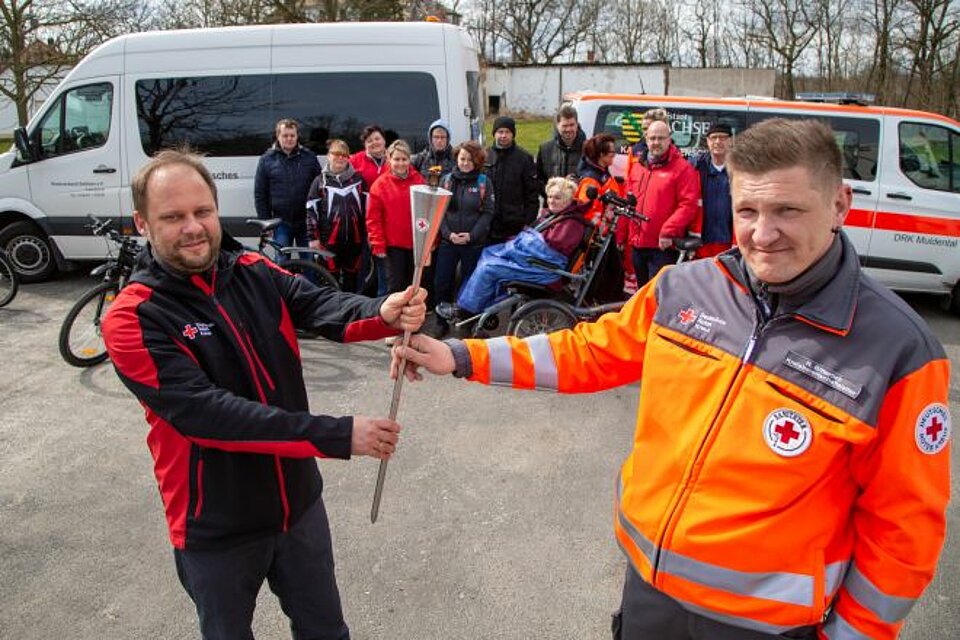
<point x="214" y="360"/>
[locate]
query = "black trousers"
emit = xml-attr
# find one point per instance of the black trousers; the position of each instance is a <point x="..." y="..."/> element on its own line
<point x="648" y="262"/>
<point x="648" y="614"/>
<point x="298" y="566"/>
<point x="400" y="267"/>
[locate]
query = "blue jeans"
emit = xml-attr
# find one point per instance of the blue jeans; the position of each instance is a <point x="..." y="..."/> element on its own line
<point x="448" y="256"/>
<point x="298" y="566"/>
<point x="286" y="235"/>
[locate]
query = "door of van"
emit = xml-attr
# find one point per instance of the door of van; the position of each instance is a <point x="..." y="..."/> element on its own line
<point x="917" y="229"/>
<point x="77" y="171"/>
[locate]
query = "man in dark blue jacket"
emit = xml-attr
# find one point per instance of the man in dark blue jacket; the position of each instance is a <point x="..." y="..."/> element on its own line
<point x="204" y="337"/>
<point x="717" y="232"/>
<point x="284" y="175"/>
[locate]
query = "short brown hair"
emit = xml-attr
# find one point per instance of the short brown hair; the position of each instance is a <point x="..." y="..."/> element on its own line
<point x="168" y="157"/>
<point x="657" y="114"/>
<point x="598" y="145"/>
<point x="566" y="111"/>
<point x="477" y="154"/>
<point x="286" y="123"/>
<point x="778" y="143"/>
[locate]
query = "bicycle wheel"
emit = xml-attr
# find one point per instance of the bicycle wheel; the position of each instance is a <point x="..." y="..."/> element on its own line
<point x="9" y="282"/>
<point x="312" y="272"/>
<point x="540" y="316"/>
<point x="81" y="337"/>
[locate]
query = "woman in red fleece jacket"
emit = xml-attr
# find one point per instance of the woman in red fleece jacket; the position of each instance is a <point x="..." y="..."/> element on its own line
<point x="389" y="224"/>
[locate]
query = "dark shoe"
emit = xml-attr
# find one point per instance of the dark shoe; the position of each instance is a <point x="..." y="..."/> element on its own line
<point x="449" y="311"/>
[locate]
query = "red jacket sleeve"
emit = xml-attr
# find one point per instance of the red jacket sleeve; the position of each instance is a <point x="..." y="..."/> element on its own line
<point x="376" y="221"/>
<point x="687" y="214"/>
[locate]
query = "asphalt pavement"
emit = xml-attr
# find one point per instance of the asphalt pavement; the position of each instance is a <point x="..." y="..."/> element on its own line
<point x="496" y="521"/>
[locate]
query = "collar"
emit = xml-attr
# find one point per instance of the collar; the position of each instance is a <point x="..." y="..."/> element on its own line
<point x="829" y="303"/>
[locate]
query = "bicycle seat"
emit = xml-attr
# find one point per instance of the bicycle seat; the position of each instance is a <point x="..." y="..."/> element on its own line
<point x="264" y="225"/>
<point x="688" y="243"/>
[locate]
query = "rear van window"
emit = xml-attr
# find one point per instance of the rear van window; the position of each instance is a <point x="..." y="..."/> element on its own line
<point x="235" y="115"/>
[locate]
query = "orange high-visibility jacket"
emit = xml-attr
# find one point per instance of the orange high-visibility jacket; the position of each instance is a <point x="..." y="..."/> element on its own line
<point x="780" y="471"/>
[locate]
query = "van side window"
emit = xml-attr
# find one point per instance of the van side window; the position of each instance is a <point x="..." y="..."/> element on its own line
<point x="235" y="115"/>
<point x="930" y="156"/>
<point x="689" y="127"/>
<point x="858" y="139"/>
<point x="78" y="120"/>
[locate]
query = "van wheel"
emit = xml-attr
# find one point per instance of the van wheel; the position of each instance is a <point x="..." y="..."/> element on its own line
<point x="29" y="251"/>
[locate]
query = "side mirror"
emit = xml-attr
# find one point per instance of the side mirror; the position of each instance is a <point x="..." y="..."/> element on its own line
<point x="22" y="142"/>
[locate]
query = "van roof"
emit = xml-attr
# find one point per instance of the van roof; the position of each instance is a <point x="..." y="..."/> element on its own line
<point x="754" y="101"/>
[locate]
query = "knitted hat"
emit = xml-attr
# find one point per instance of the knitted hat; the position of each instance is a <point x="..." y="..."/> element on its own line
<point x="505" y="122"/>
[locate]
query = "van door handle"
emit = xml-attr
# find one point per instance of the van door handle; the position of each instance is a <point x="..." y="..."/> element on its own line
<point x="899" y="196"/>
<point x="861" y="191"/>
<point x="104" y="169"/>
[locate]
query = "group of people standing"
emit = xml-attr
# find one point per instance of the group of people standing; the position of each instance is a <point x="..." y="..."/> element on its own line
<point x="358" y="206"/>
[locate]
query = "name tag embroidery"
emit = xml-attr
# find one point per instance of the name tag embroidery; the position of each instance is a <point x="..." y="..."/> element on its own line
<point x="822" y="374"/>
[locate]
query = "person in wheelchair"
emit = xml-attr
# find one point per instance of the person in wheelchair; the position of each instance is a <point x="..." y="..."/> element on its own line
<point x="558" y="232"/>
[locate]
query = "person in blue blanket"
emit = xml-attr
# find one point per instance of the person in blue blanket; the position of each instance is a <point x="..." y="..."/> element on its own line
<point x="558" y="232"/>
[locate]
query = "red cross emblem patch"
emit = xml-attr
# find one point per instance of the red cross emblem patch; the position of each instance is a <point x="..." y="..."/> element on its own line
<point x="190" y="331"/>
<point x="787" y="432"/>
<point x="933" y="428"/>
<point x="688" y="315"/>
<point x="422" y="225"/>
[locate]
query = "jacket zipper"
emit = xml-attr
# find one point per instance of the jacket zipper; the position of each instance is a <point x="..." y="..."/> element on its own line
<point x="263" y="399"/>
<point x="687" y="481"/>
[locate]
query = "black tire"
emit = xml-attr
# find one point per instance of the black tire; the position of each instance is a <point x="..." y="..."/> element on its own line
<point x="540" y="316"/>
<point x="29" y="251"/>
<point x="312" y="272"/>
<point x="81" y="336"/>
<point x="9" y="282"/>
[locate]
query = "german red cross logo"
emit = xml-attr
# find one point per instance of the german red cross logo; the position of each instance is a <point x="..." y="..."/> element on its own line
<point x="688" y="315"/>
<point x="933" y="428"/>
<point x="190" y="331"/>
<point x="787" y="432"/>
<point x="422" y="225"/>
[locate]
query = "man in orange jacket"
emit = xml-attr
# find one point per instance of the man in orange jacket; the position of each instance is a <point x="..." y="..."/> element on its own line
<point x="790" y="468"/>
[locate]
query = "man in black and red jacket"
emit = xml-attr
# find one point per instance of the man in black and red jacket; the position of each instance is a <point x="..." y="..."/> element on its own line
<point x="204" y="337"/>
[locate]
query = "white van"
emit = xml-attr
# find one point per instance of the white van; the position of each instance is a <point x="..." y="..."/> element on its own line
<point x="221" y="91"/>
<point x="903" y="166"/>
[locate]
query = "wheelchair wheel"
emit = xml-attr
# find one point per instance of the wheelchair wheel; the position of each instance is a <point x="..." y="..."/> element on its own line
<point x="540" y="316"/>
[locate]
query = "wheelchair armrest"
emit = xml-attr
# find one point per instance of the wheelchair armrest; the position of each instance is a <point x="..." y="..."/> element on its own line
<point x="542" y="264"/>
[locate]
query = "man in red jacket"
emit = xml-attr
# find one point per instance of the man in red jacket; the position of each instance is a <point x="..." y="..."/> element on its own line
<point x="668" y="192"/>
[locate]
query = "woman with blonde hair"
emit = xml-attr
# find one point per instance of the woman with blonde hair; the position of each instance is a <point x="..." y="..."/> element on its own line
<point x="389" y="225"/>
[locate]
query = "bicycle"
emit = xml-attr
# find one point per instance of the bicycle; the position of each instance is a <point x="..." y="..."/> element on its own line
<point x="81" y="337"/>
<point x="309" y="269"/>
<point x="9" y="281"/>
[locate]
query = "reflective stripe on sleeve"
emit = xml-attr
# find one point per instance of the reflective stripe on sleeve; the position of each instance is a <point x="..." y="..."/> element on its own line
<point x="501" y="361"/>
<point x="888" y="608"/>
<point x="835" y="573"/>
<point x="836" y="628"/>
<point x="544" y="366"/>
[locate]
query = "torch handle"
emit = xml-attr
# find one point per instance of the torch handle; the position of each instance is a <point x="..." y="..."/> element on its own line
<point x="395" y="400"/>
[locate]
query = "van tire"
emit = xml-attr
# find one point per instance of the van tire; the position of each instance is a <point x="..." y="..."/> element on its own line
<point x="29" y="251"/>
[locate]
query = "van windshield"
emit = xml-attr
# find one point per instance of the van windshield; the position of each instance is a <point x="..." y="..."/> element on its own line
<point x="235" y="115"/>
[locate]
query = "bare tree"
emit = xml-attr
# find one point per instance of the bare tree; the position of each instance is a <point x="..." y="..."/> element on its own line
<point x="535" y="30"/>
<point x="41" y="38"/>
<point x="786" y="27"/>
<point x="936" y="22"/>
